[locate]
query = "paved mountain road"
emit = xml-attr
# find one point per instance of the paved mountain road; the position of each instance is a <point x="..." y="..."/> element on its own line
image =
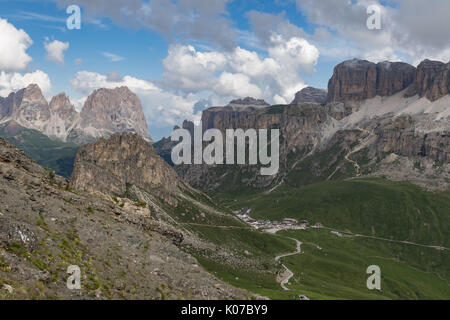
<point x="290" y="274"/>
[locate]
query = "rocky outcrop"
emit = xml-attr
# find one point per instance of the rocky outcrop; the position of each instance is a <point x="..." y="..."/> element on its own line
<point x="358" y="80"/>
<point x="111" y="166"/>
<point x="310" y="95"/>
<point x="431" y="80"/>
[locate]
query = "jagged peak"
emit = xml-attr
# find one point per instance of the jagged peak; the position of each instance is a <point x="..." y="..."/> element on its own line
<point x="60" y="101"/>
<point x="310" y="95"/>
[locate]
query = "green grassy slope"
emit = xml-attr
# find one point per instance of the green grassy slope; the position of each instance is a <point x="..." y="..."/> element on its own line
<point x="376" y="208"/>
<point x="393" y="210"/>
<point x="335" y="268"/>
<point x="53" y="154"/>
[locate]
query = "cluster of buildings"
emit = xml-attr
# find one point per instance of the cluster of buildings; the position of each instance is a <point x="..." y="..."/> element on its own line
<point x="286" y="224"/>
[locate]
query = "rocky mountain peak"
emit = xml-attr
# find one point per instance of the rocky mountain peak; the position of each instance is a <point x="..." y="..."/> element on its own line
<point x="110" y="166"/>
<point x="33" y="93"/>
<point x="248" y="102"/>
<point x="310" y="95"/>
<point x="109" y="111"/>
<point x="28" y="107"/>
<point x="60" y="101"/>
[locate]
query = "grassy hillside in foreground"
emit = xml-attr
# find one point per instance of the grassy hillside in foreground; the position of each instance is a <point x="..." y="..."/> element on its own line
<point x="53" y="154"/>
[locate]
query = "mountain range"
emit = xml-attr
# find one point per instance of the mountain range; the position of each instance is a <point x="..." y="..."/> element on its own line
<point x="364" y="165"/>
<point x="386" y="119"/>
<point x="105" y="112"/>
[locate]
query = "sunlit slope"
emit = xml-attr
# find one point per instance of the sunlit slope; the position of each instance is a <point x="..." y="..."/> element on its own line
<point x="375" y="207"/>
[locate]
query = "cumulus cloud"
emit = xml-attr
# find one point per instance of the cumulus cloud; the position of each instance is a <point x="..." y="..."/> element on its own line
<point x="236" y="85"/>
<point x="240" y="72"/>
<point x="13" y="46"/>
<point x="161" y="108"/>
<point x="11" y="82"/>
<point x="187" y="69"/>
<point x="55" y="50"/>
<point x="404" y="33"/>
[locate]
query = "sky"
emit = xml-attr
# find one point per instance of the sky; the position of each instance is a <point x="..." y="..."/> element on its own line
<point x="181" y="56"/>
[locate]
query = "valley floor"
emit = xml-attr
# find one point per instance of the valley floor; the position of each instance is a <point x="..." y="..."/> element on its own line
<point x="396" y="226"/>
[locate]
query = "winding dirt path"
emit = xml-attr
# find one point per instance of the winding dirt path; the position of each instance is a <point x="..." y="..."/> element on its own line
<point x="290" y="274"/>
<point x="362" y="144"/>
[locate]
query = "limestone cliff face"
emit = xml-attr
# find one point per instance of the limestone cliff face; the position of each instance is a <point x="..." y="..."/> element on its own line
<point x="393" y="77"/>
<point x="353" y="80"/>
<point x="109" y="166"/>
<point x="300" y="129"/>
<point x="357" y="80"/>
<point x="432" y="79"/>
<point x="399" y="136"/>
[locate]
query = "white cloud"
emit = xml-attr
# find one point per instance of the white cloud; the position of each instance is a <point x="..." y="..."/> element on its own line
<point x="187" y="69"/>
<point x="236" y="85"/>
<point x="404" y="33"/>
<point x="295" y="52"/>
<point x="112" y="57"/>
<point x="55" y="50"/>
<point x="161" y="108"/>
<point x="11" y="82"/>
<point x="13" y="46"/>
<point x="240" y="72"/>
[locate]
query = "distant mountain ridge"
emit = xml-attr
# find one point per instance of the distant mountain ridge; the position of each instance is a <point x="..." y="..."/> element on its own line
<point x="105" y="112"/>
<point x="386" y="119"/>
<point x="357" y="80"/>
<point x="310" y="95"/>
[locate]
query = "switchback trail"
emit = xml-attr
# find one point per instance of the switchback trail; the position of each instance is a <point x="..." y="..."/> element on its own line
<point x="289" y="272"/>
<point x="362" y="144"/>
